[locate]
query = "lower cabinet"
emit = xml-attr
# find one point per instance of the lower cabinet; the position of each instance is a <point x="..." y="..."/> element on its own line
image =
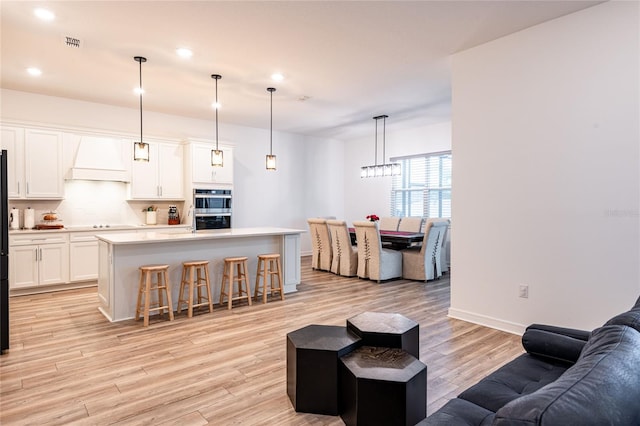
<point x="38" y="261"/>
<point x="83" y="259"/>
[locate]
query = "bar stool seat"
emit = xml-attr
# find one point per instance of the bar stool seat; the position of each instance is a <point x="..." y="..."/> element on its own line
<point x="269" y="267"/>
<point x="146" y="285"/>
<point x="199" y="268"/>
<point x="240" y="278"/>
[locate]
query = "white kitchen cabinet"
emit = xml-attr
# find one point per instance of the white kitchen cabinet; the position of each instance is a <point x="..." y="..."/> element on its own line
<point x="160" y="178"/>
<point x="83" y="257"/>
<point x="34" y="168"/>
<point x="12" y="139"/>
<point x="38" y="260"/>
<point x="43" y="169"/>
<point x="202" y="172"/>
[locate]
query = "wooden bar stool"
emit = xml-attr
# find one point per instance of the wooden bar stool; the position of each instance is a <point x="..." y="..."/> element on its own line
<point x="244" y="291"/>
<point x="199" y="268"/>
<point x="268" y="268"/>
<point x="147" y="285"/>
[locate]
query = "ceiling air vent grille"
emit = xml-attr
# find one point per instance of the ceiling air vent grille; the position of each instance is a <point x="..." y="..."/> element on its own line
<point x="72" y="42"/>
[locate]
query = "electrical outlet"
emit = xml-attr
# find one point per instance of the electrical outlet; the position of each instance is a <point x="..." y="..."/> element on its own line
<point x="524" y="291"/>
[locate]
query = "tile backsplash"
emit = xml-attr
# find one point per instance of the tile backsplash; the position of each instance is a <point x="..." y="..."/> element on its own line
<point x="90" y="203"/>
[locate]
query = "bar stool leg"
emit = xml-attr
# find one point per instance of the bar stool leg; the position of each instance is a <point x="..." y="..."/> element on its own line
<point x="168" y="290"/>
<point x="281" y="284"/>
<point x="147" y="297"/>
<point x="245" y="276"/>
<point x="190" y="308"/>
<point x="208" y="284"/>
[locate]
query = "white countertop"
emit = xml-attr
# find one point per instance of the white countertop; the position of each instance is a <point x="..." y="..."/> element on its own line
<point x="111" y="228"/>
<point x="158" y="237"/>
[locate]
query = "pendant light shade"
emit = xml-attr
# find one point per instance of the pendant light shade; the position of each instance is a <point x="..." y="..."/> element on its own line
<point x="384" y="169"/>
<point x="271" y="159"/>
<point x="217" y="159"/>
<point x="140" y="148"/>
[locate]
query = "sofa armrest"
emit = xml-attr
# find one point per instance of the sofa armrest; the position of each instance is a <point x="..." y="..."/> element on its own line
<point x="557" y="343"/>
<point x="569" y="332"/>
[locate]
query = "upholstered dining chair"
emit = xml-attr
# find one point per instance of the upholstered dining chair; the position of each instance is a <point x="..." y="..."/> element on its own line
<point x="345" y="256"/>
<point x="424" y="263"/>
<point x="374" y="262"/>
<point x="410" y="224"/>
<point x="389" y="223"/>
<point x="320" y="244"/>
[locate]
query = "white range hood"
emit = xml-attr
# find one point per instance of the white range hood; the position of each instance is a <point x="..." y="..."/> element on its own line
<point x="99" y="158"/>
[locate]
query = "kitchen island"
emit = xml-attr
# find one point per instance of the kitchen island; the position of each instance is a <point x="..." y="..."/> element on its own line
<point x="121" y="254"/>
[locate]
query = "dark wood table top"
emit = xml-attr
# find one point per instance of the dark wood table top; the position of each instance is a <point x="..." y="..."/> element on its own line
<point x="400" y="239"/>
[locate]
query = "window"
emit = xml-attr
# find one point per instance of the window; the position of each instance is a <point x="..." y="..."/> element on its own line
<point x="424" y="187"/>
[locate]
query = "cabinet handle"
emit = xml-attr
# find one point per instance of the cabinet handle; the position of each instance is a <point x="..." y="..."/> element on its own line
<point x="160" y="187"/>
<point x="40" y="254"/>
<point x="18" y="187"/>
<point x="27" y="188"/>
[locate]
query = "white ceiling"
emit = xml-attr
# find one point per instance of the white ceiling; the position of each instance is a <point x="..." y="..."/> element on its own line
<point x="352" y="59"/>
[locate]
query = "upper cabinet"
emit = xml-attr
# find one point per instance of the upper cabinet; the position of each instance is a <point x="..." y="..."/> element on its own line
<point x="12" y="139"/>
<point x="160" y="178"/>
<point x="34" y="163"/>
<point x="202" y="172"/>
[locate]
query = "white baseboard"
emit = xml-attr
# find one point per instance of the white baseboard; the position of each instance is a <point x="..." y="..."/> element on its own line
<point x="498" y="324"/>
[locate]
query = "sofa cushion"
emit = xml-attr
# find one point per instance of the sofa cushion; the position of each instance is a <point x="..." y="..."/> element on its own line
<point x="458" y="412"/>
<point x="603" y="387"/>
<point x="522" y="376"/>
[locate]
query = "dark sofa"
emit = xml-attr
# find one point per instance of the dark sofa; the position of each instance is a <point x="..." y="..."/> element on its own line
<point x="567" y="377"/>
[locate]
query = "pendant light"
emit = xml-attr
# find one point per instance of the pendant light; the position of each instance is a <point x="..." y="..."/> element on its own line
<point x="384" y="169"/>
<point x="271" y="159"/>
<point x="216" y="154"/>
<point x="140" y="148"/>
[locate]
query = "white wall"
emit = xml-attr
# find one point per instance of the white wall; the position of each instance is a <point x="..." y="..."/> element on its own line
<point x="283" y="198"/>
<point x="371" y="195"/>
<point x="546" y="182"/>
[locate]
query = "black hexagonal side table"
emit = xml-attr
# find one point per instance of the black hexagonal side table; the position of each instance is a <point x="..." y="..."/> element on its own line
<point x="387" y="330"/>
<point x="382" y="386"/>
<point x="313" y="358"/>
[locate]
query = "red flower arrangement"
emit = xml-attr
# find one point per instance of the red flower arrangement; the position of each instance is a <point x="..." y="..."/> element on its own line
<point x="373" y="218"/>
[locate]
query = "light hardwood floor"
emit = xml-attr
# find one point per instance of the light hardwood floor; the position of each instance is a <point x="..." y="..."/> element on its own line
<point x="69" y="365"/>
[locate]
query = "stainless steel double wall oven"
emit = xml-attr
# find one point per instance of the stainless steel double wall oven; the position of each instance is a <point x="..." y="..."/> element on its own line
<point x="212" y="208"/>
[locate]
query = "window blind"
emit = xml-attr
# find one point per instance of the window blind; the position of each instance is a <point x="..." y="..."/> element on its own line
<point x="424" y="186"/>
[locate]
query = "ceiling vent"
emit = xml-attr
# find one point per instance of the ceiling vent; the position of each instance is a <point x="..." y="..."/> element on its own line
<point x="72" y="42"/>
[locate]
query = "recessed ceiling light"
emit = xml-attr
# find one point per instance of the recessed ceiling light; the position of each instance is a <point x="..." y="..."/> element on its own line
<point x="34" y="71"/>
<point x="44" y="14"/>
<point x="183" y="52"/>
<point x="277" y="77"/>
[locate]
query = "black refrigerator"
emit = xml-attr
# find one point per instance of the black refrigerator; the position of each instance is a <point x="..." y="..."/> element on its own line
<point x="4" y="255"/>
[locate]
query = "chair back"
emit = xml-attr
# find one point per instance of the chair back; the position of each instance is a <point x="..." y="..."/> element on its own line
<point x="344" y="260"/>
<point x="321" y="252"/>
<point x="432" y="245"/>
<point x="369" y="248"/>
<point x="389" y="223"/>
<point x="410" y="224"/>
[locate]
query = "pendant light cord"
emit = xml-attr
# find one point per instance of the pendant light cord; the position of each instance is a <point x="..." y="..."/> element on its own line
<point x="140" y="88"/>
<point x="271" y="90"/>
<point x="375" y="150"/>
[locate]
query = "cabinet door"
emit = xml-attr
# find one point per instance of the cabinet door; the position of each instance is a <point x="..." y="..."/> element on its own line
<point x="83" y="265"/>
<point x="53" y="263"/>
<point x="170" y="171"/>
<point x="144" y="176"/>
<point x="43" y="164"/>
<point x="12" y="139"/>
<point x="23" y="268"/>
<point x="204" y="172"/>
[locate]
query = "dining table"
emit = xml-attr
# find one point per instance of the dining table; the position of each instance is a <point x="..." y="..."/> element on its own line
<point x="397" y="239"/>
